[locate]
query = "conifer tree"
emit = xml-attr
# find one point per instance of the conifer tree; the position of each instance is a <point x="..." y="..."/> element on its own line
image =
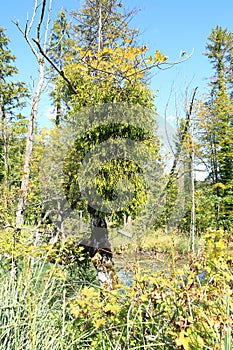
<point x="103" y="23"/>
<point x="12" y="127"/>
<point x="60" y="45"/>
<point x="216" y="122"/>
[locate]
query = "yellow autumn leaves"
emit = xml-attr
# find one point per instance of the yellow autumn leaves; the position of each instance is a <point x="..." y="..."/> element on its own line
<point x="90" y="305"/>
<point x="111" y="62"/>
<point x="185" y="340"/>
<point x="193" y="315"/>
<point x="157" y="59"/>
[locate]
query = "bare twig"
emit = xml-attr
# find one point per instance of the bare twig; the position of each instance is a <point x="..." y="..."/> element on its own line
<point x="47" y="25"/>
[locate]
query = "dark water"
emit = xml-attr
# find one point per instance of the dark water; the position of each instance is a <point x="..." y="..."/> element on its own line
<point x="126" y="277"/>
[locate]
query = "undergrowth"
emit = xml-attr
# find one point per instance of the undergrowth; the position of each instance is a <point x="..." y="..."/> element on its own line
<point x="53" y="304"/>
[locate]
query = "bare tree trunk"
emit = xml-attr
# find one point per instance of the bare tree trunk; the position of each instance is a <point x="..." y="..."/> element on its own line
<point x="36" y="98"/>
<point x="29" y="146"/>
<point x="192" y="223"/>
<point x="100" y="38"/>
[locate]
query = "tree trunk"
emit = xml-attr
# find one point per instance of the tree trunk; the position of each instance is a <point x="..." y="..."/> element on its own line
<point x="5" y="188"/>
<point x="58" y="113"/>
<point x="5" y="147"/>
<point x="99" y="248"/>
<point x="29" y="146"/>
<point x="192" y="223"/>
<point x="100" y="34"/>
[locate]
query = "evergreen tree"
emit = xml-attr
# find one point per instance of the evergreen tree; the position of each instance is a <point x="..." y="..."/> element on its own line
<point x="13" y="124"/>
<point x="60" y="45"/>
<point x="103" y="23"/>
<point x="106" y="55"/>
<point x="216" y="122"/>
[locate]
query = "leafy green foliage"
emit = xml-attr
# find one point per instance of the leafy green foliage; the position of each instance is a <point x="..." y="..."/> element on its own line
<point x="112" y="172"/>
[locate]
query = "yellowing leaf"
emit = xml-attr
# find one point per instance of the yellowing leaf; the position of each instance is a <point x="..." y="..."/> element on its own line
<point x="89" y="292"/>
<point x="218" y="185"/>
<point x="68" y="58"/>
<point x="127" y="40"/>
<point x="113" y="308"/>
<point x="96" y="259"/>
<point x="159" y="57"/>
<point x="149" y="60"/>
<point x="99" y="322"/>
<point x="143" y="297"/>
<point x="183" y="340"/>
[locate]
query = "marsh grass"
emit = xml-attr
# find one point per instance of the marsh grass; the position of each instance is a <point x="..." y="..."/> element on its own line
<point x="34" y="307"/>
<point x="49" y="306"/>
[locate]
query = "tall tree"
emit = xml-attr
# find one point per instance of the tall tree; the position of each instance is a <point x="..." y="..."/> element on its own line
<point x="216" y="121"/>
<point x="103" y="23"/>
<point x="40" y="37"/>
<point x="12" y="98"/>
<point x="106" y="69"/>
<point x="60" y="45"/>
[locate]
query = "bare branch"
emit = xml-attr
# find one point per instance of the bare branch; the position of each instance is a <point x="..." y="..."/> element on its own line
<point x="47" y="24"/>
<point x="181" y="142"/>
<point x="34" y="109"/>
<point x="26" y="37"/>
<point x="60" y="71"/>
<point x="29" y="27"/>
<point x="41" y="18"/>
<point x="162" y="66"/>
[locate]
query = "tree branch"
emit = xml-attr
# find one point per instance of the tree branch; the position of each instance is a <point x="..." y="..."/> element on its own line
<point x="59" y="71"/>
<point x="41" y="19"/>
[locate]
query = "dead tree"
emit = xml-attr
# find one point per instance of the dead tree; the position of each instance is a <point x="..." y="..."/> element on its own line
<point x="26" y="32"/>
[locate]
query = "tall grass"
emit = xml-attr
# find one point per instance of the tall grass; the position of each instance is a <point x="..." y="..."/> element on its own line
<point x="34" y="312"/>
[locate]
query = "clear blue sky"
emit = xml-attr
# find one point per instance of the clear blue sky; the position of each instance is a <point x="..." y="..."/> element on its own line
<point x="171" y="26"/>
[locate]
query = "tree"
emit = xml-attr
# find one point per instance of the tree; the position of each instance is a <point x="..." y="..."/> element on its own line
<point x="60" y="45"/>
<point x="216" y="123"/>
<point x="106" y="69"/>
<point x="12" y="98"/>
<point x="103" y="23"/>
<point x="35" y="100"/>
<point x="100" y="74"/>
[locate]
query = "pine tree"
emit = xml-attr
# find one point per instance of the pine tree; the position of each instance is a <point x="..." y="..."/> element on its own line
<point x="60" y="45"/>
<point x="216" y="121"/>
<point x="103" y="23"/>
<point x="12" y="127"/>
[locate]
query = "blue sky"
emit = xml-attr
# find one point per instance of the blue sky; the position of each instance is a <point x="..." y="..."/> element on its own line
<point x="170" y="26"/>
